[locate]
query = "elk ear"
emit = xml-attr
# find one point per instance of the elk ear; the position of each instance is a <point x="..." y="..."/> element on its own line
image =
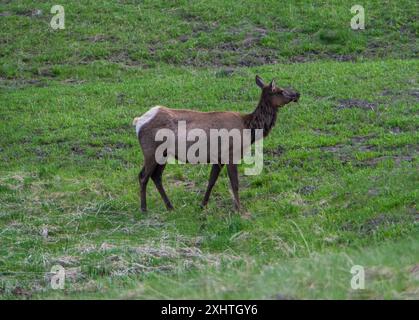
<point x="272" y="85"/>
<point x="260" y="82"/>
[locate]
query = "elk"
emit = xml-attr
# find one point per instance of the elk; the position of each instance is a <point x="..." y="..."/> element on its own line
<point x="263" y="117"/>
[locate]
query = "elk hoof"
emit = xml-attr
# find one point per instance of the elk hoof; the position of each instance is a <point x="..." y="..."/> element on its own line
<point x="203" y="205"/>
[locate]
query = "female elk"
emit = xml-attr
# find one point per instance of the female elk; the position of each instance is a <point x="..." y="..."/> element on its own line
<point x="158" y="118"/>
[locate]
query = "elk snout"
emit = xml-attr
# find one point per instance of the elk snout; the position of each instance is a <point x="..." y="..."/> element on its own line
<point x="293" y="96"/>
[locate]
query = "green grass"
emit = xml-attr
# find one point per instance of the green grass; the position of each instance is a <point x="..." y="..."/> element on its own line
<point x="120" y="35"/>
<point x="389" y="274"/>
<point x="339" y="184"/>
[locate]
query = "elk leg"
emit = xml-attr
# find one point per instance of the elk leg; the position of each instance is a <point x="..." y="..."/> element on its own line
<point x="215" y="172"/>
<point x="156" y="177"/>
<point x="143" y="177"/>
<point x="234" y="181"/>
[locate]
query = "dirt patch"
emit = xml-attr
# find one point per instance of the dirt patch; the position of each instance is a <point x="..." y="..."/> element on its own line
<point x="124" y="58"/>
<point x="360" y="144"/>
<point x="122" y="99"/>
<point x="376" y="48"/>
<point x="169" y="252"/>
<point x="242" y="51"/>
<point x="378" y="273"/>
<point x="356" y="103"/>
<point x="186" y="184"/>
<point x="373" y="224"/>
<point x="307" y="190"/>
<point x="323" y="132"/>
<point x="311" y="56"/>
<point x="395" y="130"/>
<point x="225" y="72"/>
<point x="22" y="83"/>
<point x="29" y="13"/>
<point x="345" y="151"/>
<point x="257" y="58"/>
<point x="110" y="149"/>
<point x="414" y="93"/>
<point x="66" y="261"/>
<point x="409" y="95"/>
<point x="73" y="81"/>
<point x="183" y="38"/>
<point x="78" y="150"/>
<point x="278" y="151"/>
<point x="245" y="48"/>
<point x="22" y="292"/>
<point x="187" y="15"/>
<point x="370" y="226"/>
<point x="47" y="72"/>
<point x="254" y="37"/>
<point x="302" y="58"/>
<point x="105" y="151"/>
<point x="398" y="159"/>
<point x="342" y="57"/>
<point x="40" y="153"/>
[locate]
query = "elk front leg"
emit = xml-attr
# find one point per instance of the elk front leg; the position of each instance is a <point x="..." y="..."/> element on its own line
<point x="234" y="181"/>
<point x="215" y="172"/>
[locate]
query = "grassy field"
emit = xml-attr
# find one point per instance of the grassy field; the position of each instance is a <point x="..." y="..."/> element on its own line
<point x="340" y="178"/>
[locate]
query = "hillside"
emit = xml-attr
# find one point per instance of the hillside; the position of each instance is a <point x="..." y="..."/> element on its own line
<point x="339" y="184"/>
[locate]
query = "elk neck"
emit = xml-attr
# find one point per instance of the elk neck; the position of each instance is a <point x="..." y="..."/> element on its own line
<point x="263" y="117"/>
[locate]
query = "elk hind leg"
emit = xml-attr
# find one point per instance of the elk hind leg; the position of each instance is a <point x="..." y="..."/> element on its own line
<point x="156" y="176"/>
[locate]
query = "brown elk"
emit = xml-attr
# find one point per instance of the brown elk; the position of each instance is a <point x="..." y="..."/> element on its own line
<point x="147" y="126"/>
